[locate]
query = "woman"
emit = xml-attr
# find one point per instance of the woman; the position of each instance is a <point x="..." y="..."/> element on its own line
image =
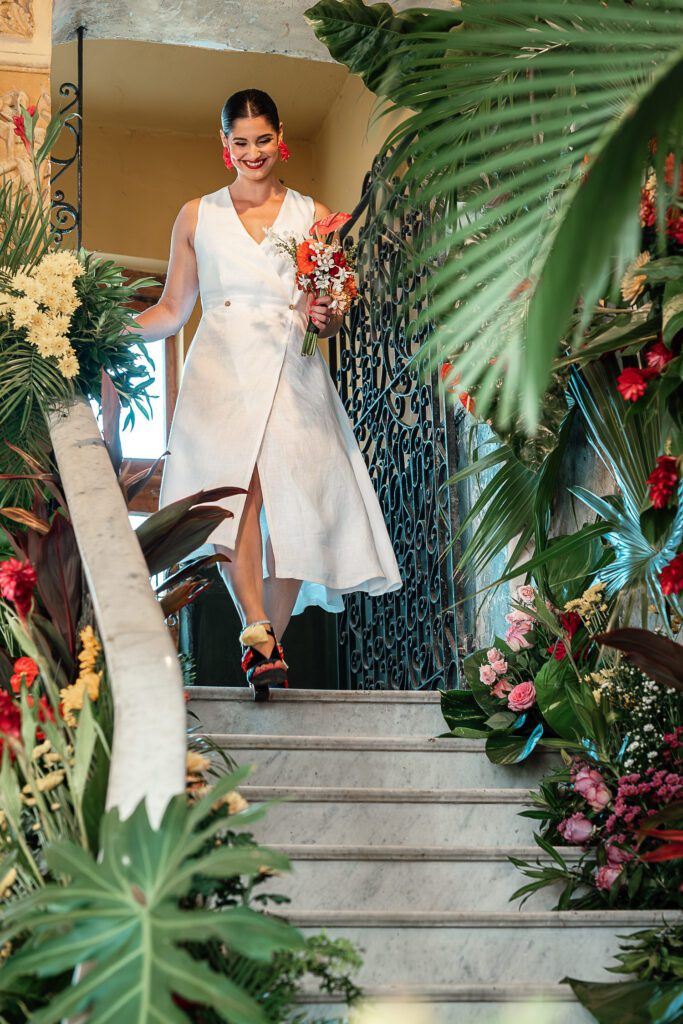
<point x="254" y="413"/>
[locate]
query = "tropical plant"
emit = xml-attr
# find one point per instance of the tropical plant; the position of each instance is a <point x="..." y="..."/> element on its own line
<point x="125" y="914"/>
<point x="528" y="111"/>
<point x="653" y="960"/>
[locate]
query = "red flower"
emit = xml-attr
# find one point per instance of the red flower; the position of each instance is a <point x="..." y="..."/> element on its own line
<point x="558" y="650"/>
<point x="570" y="622"/>
<point x="467" y="401"/>
<point x="17" y="582"/>
<point x="662" y="481"/>
<point x="657" y="356"/>
<point x="328" y="225"/>
<point x="671" y="576"/>
<point x="20" y="130"/>
<point x="447" y="374"/>
<point x="305" y="265"/>
<point x="25" y="671"/>
<point x="10" y="721"/>
<point x="632" y="383"/>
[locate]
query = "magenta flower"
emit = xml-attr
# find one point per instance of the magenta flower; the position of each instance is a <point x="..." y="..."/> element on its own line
<point x="578" y="829"/>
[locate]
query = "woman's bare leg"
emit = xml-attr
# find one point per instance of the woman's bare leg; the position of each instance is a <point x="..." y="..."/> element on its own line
<point x="254" y="597"/>
<point x="243" y="575"/>
<point x="279" y="595"/>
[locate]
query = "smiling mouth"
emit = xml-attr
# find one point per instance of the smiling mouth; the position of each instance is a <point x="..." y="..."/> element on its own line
<point x="254" y="164"/>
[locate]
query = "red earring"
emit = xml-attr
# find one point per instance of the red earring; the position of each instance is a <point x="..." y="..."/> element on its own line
<point x="284" y="152"/>
<point x="227" y="159"/>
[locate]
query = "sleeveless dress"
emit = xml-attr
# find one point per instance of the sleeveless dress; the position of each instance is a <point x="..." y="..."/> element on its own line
<point x="249" y="397"/>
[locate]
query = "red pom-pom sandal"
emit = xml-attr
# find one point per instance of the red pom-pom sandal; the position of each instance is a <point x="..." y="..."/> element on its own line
<point x="262" y="671"/>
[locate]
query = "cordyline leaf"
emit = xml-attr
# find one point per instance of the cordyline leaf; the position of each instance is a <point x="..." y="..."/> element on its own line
<point x="111" y="414"/>
<point x="135" y="483"/>
<point x="26" y="518"/>
<point x="668" y="851"/>
<point x="658" y="657"/>
<point x="123" y="913"/>
<point x="194" y="567"/>
<point x="182" y="595"/>
<point x="179" y="541"/>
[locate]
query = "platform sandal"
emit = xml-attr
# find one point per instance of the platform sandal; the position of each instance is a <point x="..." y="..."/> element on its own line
<point x="262" y="671"/>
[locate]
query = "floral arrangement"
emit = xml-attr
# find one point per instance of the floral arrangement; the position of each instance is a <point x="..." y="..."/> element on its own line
<point x="594" y="804"/>
<point x="529" y="687"/>
<point x="323" y="267"/>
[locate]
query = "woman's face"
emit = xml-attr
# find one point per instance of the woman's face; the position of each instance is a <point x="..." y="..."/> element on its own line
<point x="253" y="146"/>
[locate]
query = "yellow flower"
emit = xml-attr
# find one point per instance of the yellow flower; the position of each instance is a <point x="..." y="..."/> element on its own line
<point x="51" y="781"/>
<point x="41" y="749"/>
<point x="196" y="762"/>
<point x="69" y="366"/>
<point x="7" y="882"/>
<point x="23" y="311"/>
<point x="233" y="800"/>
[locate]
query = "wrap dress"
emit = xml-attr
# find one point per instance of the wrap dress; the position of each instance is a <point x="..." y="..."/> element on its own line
<point x="248" y="397"/>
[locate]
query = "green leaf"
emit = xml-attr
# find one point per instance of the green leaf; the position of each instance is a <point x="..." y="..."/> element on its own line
<point x="552" y="683"/>
<point x="123" y="913"/>
<point x="481" y="692"/>
<point x="630" y="1002"/>
<point x="510" y="748"/>
<point x="672" y="310"/>
<point x="461" y="710"/>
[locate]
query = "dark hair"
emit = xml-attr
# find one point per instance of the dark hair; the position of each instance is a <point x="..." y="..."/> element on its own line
<point x="249" y="103"/>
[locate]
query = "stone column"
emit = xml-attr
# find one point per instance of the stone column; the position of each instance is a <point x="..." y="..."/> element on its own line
<point x="25" y="56"/>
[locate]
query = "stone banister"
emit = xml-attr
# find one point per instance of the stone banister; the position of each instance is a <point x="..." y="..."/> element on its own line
<point x="148" y="751"/>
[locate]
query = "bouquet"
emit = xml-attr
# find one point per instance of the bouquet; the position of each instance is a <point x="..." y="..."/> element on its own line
<point x="322" y="268"/>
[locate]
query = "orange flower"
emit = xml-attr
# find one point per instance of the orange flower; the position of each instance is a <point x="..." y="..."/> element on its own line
<point x="304" y="263"/>
<point x="26" y="670"/>
<point x="350" y="288"/>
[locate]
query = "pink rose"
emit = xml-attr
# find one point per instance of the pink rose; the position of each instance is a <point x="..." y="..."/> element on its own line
<point x="518" y="618"/>
<point x="526" y="594"/>
<point x="590" y="784"/>
<point x="522" y="697"/>
<point x="578" y="829"/>
<point x="487" y="674"/>
<point x="502" y="687"/>
<point x="515" y="638"/>
<point x="493" y="655"/>
<point x="500" y="667"/>
<point x="615" y="854"/>
<point x="606" y="877"/>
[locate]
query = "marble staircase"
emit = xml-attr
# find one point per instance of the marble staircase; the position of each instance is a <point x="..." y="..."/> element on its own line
<point x="399" y="842"/>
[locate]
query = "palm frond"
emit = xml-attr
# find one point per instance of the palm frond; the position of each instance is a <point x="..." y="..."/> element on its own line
<point x="530" y="112"/>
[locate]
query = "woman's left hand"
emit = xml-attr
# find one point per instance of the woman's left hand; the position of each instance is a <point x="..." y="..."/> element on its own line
<point x="319" y="311"/>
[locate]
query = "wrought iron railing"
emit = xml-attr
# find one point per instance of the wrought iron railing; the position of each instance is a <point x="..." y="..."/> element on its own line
<point x="406" y="639"/>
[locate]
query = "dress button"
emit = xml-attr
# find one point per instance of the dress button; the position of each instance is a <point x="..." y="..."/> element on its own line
<point x="291" y="306"/>
<point x="227" y="302"/>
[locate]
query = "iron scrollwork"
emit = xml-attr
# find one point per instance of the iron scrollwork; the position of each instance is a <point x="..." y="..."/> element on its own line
<point x="66" y="216"/>
<point x="405" y="640"/>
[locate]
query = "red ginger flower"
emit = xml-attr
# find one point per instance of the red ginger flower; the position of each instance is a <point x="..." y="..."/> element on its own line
<point x="657" y="356"/>
<point x="26" y="671"/>
<point x="662" y="481"/>
<point x="632" y="383"/>
<point x="17" y="583"/>
<point x="671" y="576"/>
<point x="10" y="721"/>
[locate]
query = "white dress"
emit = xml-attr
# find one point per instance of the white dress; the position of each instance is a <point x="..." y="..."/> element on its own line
<point x="249" y="397"/>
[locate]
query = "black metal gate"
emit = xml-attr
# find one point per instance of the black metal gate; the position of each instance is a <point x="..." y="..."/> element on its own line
<point x="405" y="640"/>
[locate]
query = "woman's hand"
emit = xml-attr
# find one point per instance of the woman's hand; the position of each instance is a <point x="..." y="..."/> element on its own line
<point x="325" y="319"/>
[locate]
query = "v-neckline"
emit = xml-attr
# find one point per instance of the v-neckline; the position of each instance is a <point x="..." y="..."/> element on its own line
<point x="259" y="245"/>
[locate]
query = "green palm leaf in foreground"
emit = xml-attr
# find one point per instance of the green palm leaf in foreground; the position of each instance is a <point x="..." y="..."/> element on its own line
<point x="540" y="117"/>
<point x="123" y="914"/>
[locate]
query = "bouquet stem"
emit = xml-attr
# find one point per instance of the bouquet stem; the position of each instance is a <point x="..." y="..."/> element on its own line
<point x="310" y="342"/>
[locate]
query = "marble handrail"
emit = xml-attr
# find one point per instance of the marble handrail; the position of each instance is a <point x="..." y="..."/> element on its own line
<point x="148" y="750"/>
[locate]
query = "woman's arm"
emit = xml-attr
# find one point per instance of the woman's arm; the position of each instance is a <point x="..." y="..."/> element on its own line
<point x="328" y="323"/>
<point x="173" y="309"/>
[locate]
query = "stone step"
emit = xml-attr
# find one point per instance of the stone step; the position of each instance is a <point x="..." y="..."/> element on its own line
<point x="509" y="947"/>
<point x="360" y="817"/>
<point x="230" y="709"/>
<point x="408" y="878"/>
<point x="377" y="761"/>
<point x="453" y="1004"/>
